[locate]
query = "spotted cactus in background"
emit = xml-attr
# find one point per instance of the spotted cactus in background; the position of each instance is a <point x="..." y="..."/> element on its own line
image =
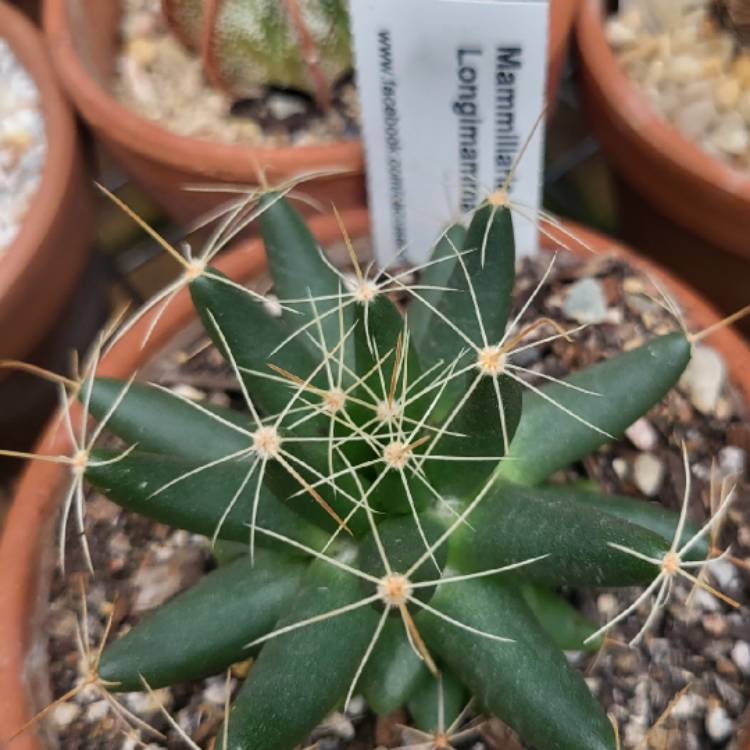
<point x="246" y="45"/>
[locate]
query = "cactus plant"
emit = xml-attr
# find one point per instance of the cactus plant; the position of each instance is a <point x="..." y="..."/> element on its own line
<point x="383" y="505"/>
<point x="248" y="44"/>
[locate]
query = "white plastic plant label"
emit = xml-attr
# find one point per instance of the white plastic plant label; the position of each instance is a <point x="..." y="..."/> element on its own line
<point x="450" y="91"/>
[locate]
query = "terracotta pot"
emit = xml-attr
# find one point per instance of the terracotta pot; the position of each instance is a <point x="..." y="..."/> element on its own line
<point x="26" y="549"/>
<point x="697" y="193"/>
<point x="29" y="7"/>
<point x="562" y="13"/>
<point x="82" y="37"/>
<point x="39" y="269"/>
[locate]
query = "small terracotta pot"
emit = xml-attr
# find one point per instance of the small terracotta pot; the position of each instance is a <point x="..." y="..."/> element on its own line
<point x="83" y="40"/>
<point x="27" y="546"/>
<point x="699" y="194"/>
<point x="39" y="269"/>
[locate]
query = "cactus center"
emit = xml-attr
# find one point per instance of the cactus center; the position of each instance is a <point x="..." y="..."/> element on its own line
<point x="388" y="411"/>
<point x="365" y="291"/>
<point x="334" y="400"/>
<point x="491" y="360"/>
<point x="79" y="461"/>
<point x="441" y="741"/>
<point x="267" y="442"/>
<point x="194" y="270"/>
<point x="499" y="199"/>
<point x="396" y="454"/>
<point x="394" y="590"/>
<point x="671" y="564"/>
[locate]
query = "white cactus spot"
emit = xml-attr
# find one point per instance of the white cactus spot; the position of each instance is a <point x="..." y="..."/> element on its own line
<point x="394" y="590"/>
<point x="396" y="454"/>
<point x="267" y="442"/>
<point x="492" y="360"/>
<point x="388" y="411"/>
<point x="334" y="400"/>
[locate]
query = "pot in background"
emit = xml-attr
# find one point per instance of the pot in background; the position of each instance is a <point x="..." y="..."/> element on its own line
<point x="686" y="209"/>
<point x="41" y="267"/>
<point x="83" y="38"/>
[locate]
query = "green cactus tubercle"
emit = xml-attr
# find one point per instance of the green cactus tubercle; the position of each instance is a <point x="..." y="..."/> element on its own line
<point x="248" y="44"/>
<point x="387" y="491"/>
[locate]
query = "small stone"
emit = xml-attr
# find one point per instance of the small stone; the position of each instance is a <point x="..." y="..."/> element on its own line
<point x="337" y="724"/>
<point x="607" y="605"/>
<point x="157" y="582"/>
<point x="727" y="94"/>
<point x="705" y="601"/>
<point x="648" y="473"/>
<point x="731" y="135"/>
<point x="585" y="302"/>
<point x="743" y="106"/>
<point x="696" y="117"/>
<point x="144" y="704"/>
<point x="216" y="690"/>
<point x="620" y="34"/>
<point x="741" y="69"/>
<point x="704" y="378"/>
<point x="642" y="435"/>
<point x="741" y="656"/>
<point x="188" y="391"/>
<point x="732" y="461"/>
<point x="684" y="68"/>
<point x="142" y="50"/>
<point x="715" y="624"/>
<point x="65" y="714"/>
<point x="689" y="706"/>
<point x="724" y="573"/>
<point x="96" y="711"/>
<point x="283" y="106"/>
<point x="718" y="724"/>
<point x="621" y="468"/>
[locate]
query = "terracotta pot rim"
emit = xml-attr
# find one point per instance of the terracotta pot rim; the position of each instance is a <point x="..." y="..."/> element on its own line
<point x="640" y="119"/>
<point x="148" y="139"/>
<point x="562" y="16"/>
<point x="36" y="495"/>
<point x="17" y="264"/>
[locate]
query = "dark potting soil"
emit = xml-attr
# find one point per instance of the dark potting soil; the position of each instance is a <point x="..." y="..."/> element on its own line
<point x="702" y="649"/>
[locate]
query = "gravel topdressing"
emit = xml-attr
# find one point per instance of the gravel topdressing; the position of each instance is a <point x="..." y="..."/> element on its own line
<point x="23" y="144"/>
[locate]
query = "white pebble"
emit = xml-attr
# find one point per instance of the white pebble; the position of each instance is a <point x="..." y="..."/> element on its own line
<point x="731" y="135"/>
<point x="648" y="473"/>
<point x="718" y="724"/>
<point x="704" y="378"/>
<point x="696" y="117"/>
<point x="642" y="435"/>
<point x="585" y="302"/>
<point x="732" y="461"/>
<point x="689" y="706"/>
<point x="683" y="68"/>
<point x="65" y="714"/>
<point x="741" y="656"/>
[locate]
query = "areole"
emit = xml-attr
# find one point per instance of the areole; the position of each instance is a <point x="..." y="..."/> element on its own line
<point x="24" y="567"/>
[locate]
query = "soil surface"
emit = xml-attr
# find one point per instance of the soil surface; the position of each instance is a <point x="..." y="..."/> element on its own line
<point x="699" y="652"/>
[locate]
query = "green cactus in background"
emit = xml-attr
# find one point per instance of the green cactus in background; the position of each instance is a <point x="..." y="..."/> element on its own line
<point x="248" y="44"/>
<point x="382" y="508"/>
